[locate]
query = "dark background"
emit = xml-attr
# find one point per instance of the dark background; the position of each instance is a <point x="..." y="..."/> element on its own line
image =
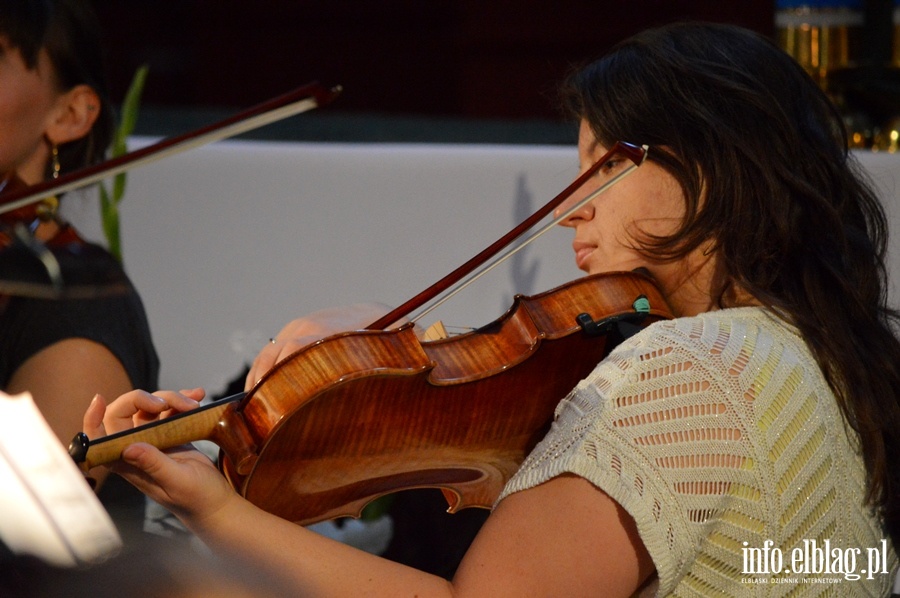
<point x="430" y="69"/>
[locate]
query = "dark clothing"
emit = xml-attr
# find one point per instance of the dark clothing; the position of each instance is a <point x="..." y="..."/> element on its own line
<point x="116" y="321"/>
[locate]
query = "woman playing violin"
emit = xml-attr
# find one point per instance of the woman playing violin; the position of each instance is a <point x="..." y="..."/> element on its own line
<point x="766" y="414"/>
<point x="55" y="115"/>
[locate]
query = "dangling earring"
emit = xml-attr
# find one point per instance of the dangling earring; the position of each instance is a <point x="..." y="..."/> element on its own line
<point x="46" y="210"/>
<point x="54" y="158"/>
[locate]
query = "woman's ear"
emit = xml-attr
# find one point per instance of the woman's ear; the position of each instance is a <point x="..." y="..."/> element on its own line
<point x="75" y="113"/>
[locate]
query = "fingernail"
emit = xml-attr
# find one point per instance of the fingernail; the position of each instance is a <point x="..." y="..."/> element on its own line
<point x="131" y="454"/>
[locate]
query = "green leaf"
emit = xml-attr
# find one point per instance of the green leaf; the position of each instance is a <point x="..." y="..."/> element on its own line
<point x="110" y="223"/>
<point x="130" y="110"/>
<point x="109" y="203"/>
<point x="118" y="187"/>
<point x="377" y="508"/>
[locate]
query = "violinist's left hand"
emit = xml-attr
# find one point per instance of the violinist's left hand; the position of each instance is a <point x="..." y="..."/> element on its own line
<point x="309" y="329"/>
<point x="136" y="408"/>
<point x="183" y="480"/>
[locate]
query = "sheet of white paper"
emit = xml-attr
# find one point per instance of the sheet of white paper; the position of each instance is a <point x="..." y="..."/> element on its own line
<point x="47" y="508"/>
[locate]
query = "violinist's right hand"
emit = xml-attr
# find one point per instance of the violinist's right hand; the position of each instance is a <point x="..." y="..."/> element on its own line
<point x="309" y="329"/>
<point x="183" y="479"/>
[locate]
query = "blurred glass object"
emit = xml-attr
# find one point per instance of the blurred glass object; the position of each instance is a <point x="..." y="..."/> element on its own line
<point x="822" y="35"/>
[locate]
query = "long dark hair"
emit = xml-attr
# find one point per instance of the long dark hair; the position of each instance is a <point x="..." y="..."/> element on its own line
<point x="760" y="153"/>
<point x="69" y="32"/>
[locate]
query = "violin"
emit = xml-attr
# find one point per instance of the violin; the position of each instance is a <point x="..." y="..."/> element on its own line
<point x="365" y="413"/>
<point x="362" y="414"/>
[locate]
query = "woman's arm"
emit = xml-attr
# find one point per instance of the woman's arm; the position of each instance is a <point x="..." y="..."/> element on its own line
<point x="63" y="378"/>
<point x="563" y="538"/>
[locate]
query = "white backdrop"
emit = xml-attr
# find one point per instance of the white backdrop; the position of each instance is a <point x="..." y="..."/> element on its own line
<point x="229" y="242"/>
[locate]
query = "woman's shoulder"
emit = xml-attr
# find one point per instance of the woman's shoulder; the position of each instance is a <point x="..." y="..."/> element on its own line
<point x="726" y="352"/>
<point x="714" y="332"/>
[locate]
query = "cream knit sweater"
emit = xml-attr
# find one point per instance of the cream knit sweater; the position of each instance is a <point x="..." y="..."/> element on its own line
<point x="718" y="434"/>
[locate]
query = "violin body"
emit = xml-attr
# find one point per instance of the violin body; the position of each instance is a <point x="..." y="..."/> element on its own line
<point x="362" y="414"/>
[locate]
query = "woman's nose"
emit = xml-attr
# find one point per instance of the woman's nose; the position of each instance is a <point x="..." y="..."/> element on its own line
<point x="585" y="212"/>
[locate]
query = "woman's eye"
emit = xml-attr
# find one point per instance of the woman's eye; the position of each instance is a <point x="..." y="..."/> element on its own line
<point x="610" y="164"/>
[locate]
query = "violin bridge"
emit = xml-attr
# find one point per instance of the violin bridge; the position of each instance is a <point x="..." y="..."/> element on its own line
<point x="436" y="332"/>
